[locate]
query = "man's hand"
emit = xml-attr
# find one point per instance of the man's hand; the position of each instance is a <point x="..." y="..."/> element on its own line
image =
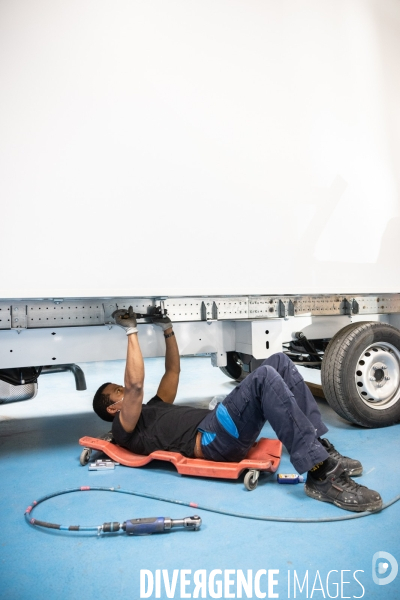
<point x="126" y="319"/>
<point x="163" y="322"/>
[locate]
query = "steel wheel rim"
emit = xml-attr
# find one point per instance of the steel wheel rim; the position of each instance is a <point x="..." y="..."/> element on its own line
<point x="377" y="376"/>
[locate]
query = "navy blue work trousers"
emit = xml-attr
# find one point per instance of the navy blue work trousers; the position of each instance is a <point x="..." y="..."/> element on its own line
<point x="274" y="392"/>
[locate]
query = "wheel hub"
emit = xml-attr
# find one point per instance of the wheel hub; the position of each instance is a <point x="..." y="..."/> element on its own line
<point x="378" y="375"/>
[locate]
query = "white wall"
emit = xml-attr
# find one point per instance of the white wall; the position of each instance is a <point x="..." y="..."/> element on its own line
<point x="192" y="147"/>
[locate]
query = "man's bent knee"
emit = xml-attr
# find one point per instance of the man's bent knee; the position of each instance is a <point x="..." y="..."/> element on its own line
<point x="279" y="358"/>
<point x="267" y="372"/>
<point x="283" y="357"/>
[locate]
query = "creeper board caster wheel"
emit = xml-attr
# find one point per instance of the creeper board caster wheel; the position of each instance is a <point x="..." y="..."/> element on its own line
<point x="251" y="479"/>
<point x="85" y="456"/>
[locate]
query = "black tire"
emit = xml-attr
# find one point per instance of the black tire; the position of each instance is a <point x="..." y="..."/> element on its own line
<point x="352" y="359"/>
<point x="328" y="368"/>
<point x="234" y="367"/>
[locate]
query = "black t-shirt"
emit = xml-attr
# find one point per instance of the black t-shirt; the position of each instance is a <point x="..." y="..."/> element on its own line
<point x="161" y="426"/>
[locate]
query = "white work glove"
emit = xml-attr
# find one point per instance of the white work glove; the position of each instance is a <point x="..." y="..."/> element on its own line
<point x="163" y="322"/>
<point x="126" y="319"/>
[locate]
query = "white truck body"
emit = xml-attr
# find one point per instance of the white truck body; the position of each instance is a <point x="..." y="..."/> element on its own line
<point x="202" y="148"/>
<point x="235" y="163"/>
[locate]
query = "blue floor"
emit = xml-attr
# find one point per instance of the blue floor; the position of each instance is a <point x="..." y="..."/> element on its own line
<point x="40" y="455"/>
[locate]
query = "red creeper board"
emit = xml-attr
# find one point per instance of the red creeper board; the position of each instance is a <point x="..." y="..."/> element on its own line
<point x="265" y="455"/>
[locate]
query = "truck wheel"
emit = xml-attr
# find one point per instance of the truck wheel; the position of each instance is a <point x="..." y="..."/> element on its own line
<point x="234" y="367"/>
<point x="361" y="374"/>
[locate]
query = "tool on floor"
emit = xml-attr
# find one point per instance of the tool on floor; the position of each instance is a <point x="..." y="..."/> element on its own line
<point x="159" y="525"/>
<point x="145" y="526"/>
<point x="289" y="478"/>
<point x="264" y="456"/>
<point x="103" y="465"/>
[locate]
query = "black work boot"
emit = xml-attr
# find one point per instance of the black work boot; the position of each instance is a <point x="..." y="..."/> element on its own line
<point x="339" y="489"/>
<point x="354" y="467"/>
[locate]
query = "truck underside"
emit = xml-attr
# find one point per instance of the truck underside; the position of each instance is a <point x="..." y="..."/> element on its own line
<point x="353" y="339"/>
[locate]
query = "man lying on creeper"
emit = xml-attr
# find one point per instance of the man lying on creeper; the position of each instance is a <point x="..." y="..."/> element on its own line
<point x="274" y="392"/>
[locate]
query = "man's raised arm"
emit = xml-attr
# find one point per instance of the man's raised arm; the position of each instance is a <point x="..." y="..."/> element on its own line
<point x="131" y="406"/>
<point x="169" y="383"/>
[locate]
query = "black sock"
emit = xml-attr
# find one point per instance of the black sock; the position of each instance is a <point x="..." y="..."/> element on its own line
<point x="320" y="470"/>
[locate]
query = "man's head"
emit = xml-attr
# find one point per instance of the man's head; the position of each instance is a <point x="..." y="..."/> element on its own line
<point x="107" y="400"/>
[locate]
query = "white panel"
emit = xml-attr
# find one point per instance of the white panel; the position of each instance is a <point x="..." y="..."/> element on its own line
<point x="324" y="327"/>
<point x="267" y="337"/>
<point x="314" y="327"/>
<point x="394" y="320"/>
<point x="243" y="341"/>
<point x="37" y="347"/>
<point x="199" y="148"/>
<point x="376" y="317"/>
<point x="202" y="337"/>
<point x="259" y="338"/>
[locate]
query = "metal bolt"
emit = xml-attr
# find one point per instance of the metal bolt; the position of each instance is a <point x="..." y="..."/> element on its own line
<point x="372" y="379"/>
<point x="16" y="320"/>
<point x="380" y="385"/>
<point x="374" y="368"/>
<point x="384" y="367"/>
<point x="387" y="378"/>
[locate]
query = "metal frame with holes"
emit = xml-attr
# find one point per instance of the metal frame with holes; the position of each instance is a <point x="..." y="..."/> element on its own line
<point x="67" y="330"/>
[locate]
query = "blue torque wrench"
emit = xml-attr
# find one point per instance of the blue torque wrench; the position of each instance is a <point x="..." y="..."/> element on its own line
<point x="159" y="525"/>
